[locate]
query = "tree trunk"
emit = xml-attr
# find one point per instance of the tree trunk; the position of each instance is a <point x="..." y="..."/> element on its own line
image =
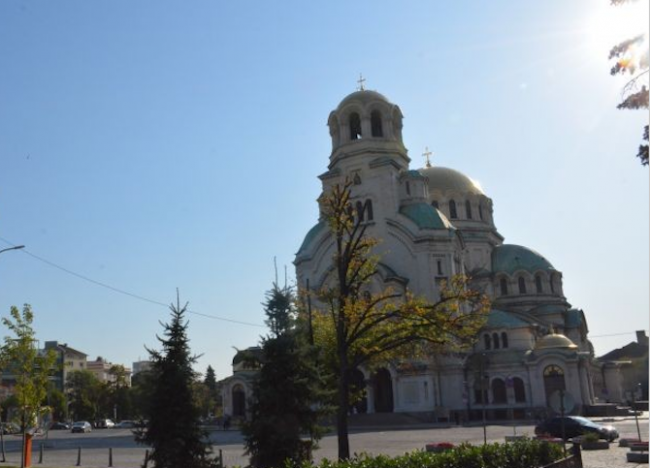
<point x="342" y="413"/>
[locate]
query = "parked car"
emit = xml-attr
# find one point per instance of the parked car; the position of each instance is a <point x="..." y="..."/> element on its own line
<point x="81" y="426"/>
<point x="59" y="425"/>
<point x="10" y="428"/>
<point x="126" y="424"/>
<point x="104" y="424"/>
<point x="575" y="426"/>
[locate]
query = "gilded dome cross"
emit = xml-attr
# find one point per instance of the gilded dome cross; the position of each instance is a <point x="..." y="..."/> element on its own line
<point x="426" y="155"/>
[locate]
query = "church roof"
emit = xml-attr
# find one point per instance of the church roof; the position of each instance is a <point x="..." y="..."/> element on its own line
<point x="508" y="258"/>
<point x="554" y="341"/>
<point x="425" y="216"/>
<point x="444" y="179"/>
<point x="312" y="234"/>
<point x="573" y="318"/>
<point x="500" y="319"/>
<point x="363" y="97"/>
<point x="548" y="309"/>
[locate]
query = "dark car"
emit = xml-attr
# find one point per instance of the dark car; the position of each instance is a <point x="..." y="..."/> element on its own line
<point x="81" y="426"/>
<point x="575" y="426"/>
<point x="59" y="425"/>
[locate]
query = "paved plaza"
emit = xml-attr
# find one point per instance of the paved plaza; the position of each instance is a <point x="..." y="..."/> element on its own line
<point x="60" y="449"/>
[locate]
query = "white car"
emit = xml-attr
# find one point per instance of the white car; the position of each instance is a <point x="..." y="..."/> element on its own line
<point x="81" y="426"/>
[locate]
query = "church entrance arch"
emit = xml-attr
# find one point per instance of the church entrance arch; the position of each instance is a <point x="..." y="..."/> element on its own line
<point x="359" y="398"/>
<point x="238" y="401"/>
<point x="553" y="380"/>
<point x="383" y="386"/>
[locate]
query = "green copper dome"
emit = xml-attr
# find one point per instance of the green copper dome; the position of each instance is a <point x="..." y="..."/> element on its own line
<point x="444" y="179"/>
<point x="312" y="234"/>
<point x="508" y="258"/>
<point x="425" y="216"/>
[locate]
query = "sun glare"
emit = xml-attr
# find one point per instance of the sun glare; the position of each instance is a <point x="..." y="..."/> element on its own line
<point x="610" y="25"/>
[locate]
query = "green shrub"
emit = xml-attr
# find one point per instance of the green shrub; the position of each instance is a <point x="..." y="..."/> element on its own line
<point x="525" y="453"/>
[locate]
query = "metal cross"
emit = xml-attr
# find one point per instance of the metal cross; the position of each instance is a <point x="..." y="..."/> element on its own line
<point x="426" y="154"/>
<point x="360" y="81"/>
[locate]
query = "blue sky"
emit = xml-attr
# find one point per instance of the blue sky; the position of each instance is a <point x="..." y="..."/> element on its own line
<point x="156" y="145"/>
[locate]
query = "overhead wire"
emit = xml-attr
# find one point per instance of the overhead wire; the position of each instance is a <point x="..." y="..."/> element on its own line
<point x="126" y="293"/>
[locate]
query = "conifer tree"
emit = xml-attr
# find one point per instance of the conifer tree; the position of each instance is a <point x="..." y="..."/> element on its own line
<point x="172" y="430"/>
<point x="284" y="394"/>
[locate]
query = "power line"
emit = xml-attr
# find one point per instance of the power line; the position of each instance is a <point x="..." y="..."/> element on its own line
<point x="127" y="293"/>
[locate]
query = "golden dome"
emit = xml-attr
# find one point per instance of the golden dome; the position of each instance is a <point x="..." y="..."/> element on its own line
<point x="555" y="340"/>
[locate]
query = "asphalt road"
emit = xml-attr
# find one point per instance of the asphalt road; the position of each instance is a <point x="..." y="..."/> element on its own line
<point x="60" y="448"/>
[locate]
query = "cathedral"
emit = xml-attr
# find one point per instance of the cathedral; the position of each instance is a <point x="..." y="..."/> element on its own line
<point x="436" y="222"/>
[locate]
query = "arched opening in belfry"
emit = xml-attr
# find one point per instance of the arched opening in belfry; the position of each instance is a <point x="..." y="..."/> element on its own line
<point x="364" y="210"/>
<point x="238" y="401"/>
<point x="383" y="386"/>
<point x="355" y="126"/>
<point x="375" y="124"/>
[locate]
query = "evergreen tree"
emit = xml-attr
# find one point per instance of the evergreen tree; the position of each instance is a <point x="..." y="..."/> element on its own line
<point x="210" y="380"/>
<point x="172" y="430"/>
<point x="284" y="392"/>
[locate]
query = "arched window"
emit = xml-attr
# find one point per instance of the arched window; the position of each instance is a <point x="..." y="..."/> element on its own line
<point x="468" y="209"/>
<point x="520" y="391"/>
<point x="499" y="395"/>
<point x="552" y="285"/>
<point x="495" y="339"/>
<point x="538" y="284"/>
<point x="452" y="209"/>
<point x="364" y="210"/>
<point x="487" y="341"/>
<point x="434" y="203"/>
<point x="504" y="340"/>
<point x="355" y="126"/>
<point x="522" y="285"/>
<point x="504" y="286"/>
<point x="357" y="179"/>
<point x="375" y="124"/>
<point x="480" y="211"/>
<point x="408" y="188"/>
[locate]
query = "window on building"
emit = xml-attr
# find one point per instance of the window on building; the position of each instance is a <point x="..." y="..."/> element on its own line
<point x="357" y="179"/>
<point x="364" y="210"/>
<point x="434" y="203"/>
<point x="452" y="210"/>
<point x="538" y="284"/>
<point x="408" y="188"/>
<point x="504" y="340"/>
<point x="480" y="211"/>
<point x="468" y="209"/>
<point x="487" y="341"/>
<point x="499" y="395"/>
<point x="552" y="285"/>
<point x="355" y="126"/>
<point x="375" y="124"/>
<point x="504" y="286"/>
<point x="520" y="391"/>
<point x="439" y="265"/>
<point x="495" y="340"/>
<point x="522" y="285"/>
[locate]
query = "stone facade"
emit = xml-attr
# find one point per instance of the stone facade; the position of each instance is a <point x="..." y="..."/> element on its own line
<point x="433" y="223"/>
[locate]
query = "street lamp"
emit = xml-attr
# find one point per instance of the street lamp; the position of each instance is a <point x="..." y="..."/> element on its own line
<point x="17" y="247"/>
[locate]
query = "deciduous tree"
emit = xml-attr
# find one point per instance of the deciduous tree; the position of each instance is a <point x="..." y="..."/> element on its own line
<point x="359" y="326"/>
<point x="631" y="59"/>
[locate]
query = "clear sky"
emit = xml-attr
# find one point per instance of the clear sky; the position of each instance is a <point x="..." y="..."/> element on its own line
<point x="156" y="145"/>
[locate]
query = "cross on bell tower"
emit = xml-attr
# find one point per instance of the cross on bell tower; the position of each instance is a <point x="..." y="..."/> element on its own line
<point x="427" y="154"/>
<point x="361" y="80"/>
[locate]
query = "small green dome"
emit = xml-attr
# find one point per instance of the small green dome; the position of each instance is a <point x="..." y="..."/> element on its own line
<point x="444" y="179"/>
<point x="508" y="258"/>
<point x="312" y="234"/>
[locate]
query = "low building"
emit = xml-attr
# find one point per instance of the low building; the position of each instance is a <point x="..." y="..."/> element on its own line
<point x="629" y="365"/>
<point x="106" y="371"/>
